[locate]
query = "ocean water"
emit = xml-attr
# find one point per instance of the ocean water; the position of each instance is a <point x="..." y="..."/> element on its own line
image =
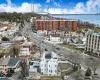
<point x="95" y="19"/>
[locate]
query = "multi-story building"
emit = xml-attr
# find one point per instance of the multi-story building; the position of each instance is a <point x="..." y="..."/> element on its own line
<point x="93" y="42"/>
<point x="49" y="64"/>
<point x="25" y="48"/>
<point x="56" y="24"/>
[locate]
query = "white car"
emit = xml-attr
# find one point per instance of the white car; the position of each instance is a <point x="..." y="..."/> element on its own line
<point x="65" y="77"/>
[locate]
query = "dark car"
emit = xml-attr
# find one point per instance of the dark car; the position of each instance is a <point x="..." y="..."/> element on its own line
<point x="46" y="50"/>
<point x="58" y="48"/>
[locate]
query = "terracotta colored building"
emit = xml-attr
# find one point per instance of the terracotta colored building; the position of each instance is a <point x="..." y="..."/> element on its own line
<point x="70" y="25"/>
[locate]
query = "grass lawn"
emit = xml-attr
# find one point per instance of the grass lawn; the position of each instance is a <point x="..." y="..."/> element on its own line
<point x="50" y="78"/>
<point x="70" y="71"/>
<point x="64" y="67"/>
<point x="97" y="30"/>
<point x="70" y="47"/>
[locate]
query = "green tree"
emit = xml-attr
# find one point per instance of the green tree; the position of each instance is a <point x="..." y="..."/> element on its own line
<point x="3" y="52"/>
<point x="78" y="31"/>
<point x="88" y="72"/>
<point x="5" y="38"/>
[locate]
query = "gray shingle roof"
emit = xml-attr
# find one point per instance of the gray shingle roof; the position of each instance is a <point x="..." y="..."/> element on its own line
<point x="8" y="61"/>
<point x="13" y="61"/>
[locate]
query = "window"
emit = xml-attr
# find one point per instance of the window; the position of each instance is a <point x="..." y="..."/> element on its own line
<point x="31" y="63"/>
<point x="55" y="71"/>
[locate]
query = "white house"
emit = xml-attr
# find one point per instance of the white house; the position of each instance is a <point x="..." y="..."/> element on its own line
<point x="34" y="63"/>
<point x="25" y="48"/>
<point x="49" y="64"/>
<point x="55" y="37"/>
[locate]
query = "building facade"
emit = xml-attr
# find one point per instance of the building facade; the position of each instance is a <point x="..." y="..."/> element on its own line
<point x="93" y="42"/>
<point x="49" y="64"/>
<point x="25" y="48"/>
<point x="54" y="24"/>
<point x="55" y="38"/>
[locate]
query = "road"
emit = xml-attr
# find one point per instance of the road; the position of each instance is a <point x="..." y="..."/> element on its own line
<point x="39" y="40"/>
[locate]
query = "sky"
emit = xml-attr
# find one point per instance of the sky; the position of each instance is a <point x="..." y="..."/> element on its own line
<point x="51" y="6"/>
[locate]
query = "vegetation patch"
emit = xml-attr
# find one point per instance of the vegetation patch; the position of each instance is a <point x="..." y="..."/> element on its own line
<point x="64" y="66"/>
<point x="66" y="69"/>
<point x="50" y="78"/>
<point x="70" y="47"/>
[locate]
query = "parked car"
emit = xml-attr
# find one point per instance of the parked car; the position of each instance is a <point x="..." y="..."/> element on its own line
<point x="65" y="78"/>
<point x="60" y="54"/>
<point x="58" y="48"/>
<point x="46" y="50"/>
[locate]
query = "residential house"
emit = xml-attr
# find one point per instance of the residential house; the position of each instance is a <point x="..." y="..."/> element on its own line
<point x="34" y="63"/>
<point x="20" y="38"/>
<point x="55" y="38"/>
<point x="34" y="67"/>
<point x="7" y="63"/>
<point x="25" y="48"/>
<point x="49" y="64"/>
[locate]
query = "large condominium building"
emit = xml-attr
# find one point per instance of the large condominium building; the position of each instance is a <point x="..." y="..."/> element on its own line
<point x="49" y="64"/>
<point x="93" y="42"/>
<point x="54" y="24"/>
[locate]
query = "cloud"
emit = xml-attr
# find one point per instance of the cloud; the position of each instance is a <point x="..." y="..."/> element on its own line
<point x="78" y="9"/>
<point x="56" y="11"/>
<point x="89" y="7"/>
<point x="54" y="2"/>
<point x="25" y="7"/>
<point x="47" y="1"/>
<point x="9" y="2"/>
<point x="92" y="4"/>
<point x="57" y="4"/>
